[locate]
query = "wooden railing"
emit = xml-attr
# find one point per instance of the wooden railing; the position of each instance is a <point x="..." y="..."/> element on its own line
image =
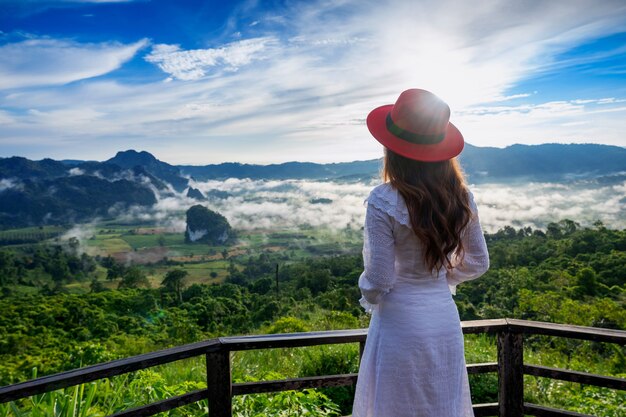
<point x="220" y="388"/>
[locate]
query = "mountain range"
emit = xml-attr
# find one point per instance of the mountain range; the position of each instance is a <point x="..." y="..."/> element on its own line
<point x="546" y="162"/>
<point x="62" y="192"/>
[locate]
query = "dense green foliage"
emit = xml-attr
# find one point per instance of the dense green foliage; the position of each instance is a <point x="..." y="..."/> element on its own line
<point x="44" y="268"/>
<point x="566" y="274"/>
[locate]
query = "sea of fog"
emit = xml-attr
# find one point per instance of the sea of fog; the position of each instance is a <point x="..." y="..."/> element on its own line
<point x="270" y="204"/>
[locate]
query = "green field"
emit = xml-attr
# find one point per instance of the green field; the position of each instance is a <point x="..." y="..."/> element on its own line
<point x="110" y="245"/>
<point x="198" y="273"/>
<point x="157" y="251"/>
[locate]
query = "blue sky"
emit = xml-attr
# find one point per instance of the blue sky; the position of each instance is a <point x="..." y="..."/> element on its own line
<point x="272" y="81"/>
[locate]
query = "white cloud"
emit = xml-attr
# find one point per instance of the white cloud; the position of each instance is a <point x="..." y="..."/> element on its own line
<point x="76" y="171"/>
<point x="537" y="204"/>
<point x="9" y="183"/>
<point x="275" y="204"/>
<point x="38" y="62"/>
<point x="194" y="64"/>
<point x="82" y="232"/>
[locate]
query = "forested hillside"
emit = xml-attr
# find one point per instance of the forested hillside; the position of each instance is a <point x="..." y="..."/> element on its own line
<point x="565" y="274"/>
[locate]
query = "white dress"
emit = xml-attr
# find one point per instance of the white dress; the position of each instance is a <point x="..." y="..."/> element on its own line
<point x="413" y="363"/>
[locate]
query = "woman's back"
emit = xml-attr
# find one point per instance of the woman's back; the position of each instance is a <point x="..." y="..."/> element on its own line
<point x="408" y="250"/>
<point x="399" y="253"/>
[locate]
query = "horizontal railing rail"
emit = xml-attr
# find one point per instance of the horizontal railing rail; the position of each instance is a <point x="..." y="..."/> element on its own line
<point x="569" y="331"/>
<point x="220" y="388"/>
<point x="105" y="370"/>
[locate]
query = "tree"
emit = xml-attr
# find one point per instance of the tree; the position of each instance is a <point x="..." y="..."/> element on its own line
<point x="58" y="269"/>
<point x="96" y="286"/>
<point x="587" y="282"/>
<point x="116" y="271"/>
<point x="553" y="231"/>
<point x="134" y="278"/>
<point x="9" y="270"/>
<point x="173" y="282"/>
<point x="74" y="245"/>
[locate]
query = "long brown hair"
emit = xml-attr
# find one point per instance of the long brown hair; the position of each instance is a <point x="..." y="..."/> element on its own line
<point x="437" y="198"/>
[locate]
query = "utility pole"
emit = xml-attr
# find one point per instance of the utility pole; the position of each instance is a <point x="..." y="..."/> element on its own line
<point x="277" y="289"/>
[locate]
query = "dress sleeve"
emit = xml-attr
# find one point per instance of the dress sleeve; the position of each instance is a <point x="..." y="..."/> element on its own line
<point x="378" y="275"/>
<point x="475" y="260"/>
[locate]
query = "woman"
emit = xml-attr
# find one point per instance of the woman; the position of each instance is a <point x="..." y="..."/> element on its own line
<point x="422" y="235"/>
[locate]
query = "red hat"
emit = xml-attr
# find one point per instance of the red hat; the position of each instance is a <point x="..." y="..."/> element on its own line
<point x="417" y="127"/>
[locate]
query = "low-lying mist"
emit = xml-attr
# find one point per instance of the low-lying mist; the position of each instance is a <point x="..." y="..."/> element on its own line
<point x="269" y="204"/>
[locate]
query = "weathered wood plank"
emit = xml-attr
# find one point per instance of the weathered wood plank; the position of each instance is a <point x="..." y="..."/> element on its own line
<point x="294" y="384"/>
<point x="569" y="331"/>
<point x="576" y="376"/>
<point x="483" y="326"/>
<point x="105" y="370"/>
<point x="542" y="411"/>
<point x="286" y="340"/>
<point x="164" y="405"/>
<point x="482" y="368"/>
<point x="510" y="374"/>
<point x="219" y="384"/>
<point x="485" y="410"/>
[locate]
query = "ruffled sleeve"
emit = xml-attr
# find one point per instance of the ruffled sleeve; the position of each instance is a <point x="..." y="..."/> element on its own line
<point x="378" y="276"/>
<point x="475" y="261"/>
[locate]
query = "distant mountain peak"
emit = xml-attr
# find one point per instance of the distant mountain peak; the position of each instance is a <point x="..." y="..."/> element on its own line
<point x="131" y="158"/>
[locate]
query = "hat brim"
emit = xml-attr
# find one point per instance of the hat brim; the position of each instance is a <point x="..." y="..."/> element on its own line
<point x="451" y="145"/>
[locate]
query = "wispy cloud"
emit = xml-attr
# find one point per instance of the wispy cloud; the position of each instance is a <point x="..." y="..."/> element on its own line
<point x="40" y="62"/>
<point x="574" y="121"/>
<point x="9" y="183"/>
<point x="194" y="64"/>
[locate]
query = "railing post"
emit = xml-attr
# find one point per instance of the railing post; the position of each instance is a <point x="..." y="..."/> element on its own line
<point x="510" y="374"/>
<point x="219" y="383"/>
